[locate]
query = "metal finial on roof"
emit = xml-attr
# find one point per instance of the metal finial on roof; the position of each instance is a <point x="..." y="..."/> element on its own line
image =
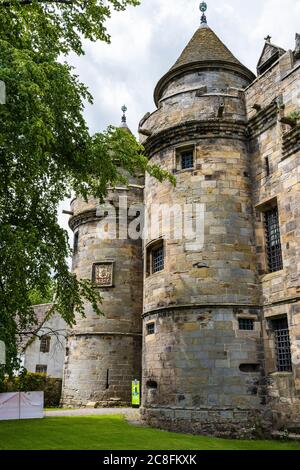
<point x="124" y="109"/>
<point x="203" y="8"/>
<point x="268" y="38"/>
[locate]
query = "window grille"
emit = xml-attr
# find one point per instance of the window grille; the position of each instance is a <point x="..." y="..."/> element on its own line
<point x="246" y="324"/>
<point x="282" y="345"/>
<point x="273" y="240"/>
<point x="157" y="259"/>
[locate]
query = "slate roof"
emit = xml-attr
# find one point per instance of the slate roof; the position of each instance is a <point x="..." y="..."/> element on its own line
<point x="205" y="46"/>
<point x="41" y="313"/>
<point x="204" y="50"/>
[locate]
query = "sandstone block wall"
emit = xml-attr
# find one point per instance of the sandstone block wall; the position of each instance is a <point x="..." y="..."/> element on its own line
<point x="104" y="353"/>
<point x="278" y="93"/>
<point x="201" y="373"/>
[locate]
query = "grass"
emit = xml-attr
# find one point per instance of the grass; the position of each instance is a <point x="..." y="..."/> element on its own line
<point x="113" y="433"/>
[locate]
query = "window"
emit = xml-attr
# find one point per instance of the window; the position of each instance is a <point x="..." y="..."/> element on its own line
<point x="75" y="246"/>
<point x="272" y="229"/>
<point x="41" y="369"/>
<point x="155" y="257"/>
<point x="150" y="327"/>
<point x="282" y="345"/>
<point x="246" y="324"/>
<point x="187" y="159"/>
<point x="249" y="368"/>
<point x="158" y="259"/>
<point x="45" y="344"/>
<point x="267" y="166"/>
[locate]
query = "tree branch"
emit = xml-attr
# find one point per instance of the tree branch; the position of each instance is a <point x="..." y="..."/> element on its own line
<point x="8" y="3"/>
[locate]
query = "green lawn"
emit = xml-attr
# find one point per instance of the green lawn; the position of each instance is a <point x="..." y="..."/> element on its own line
<point x="112" y="433"/>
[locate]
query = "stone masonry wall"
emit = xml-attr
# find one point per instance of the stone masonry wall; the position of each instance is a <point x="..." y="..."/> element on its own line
<point x="104" y="353"/>
<point x="280" y="290"/>
<point x="202" y="374"/>
<point x="223" y="270"/>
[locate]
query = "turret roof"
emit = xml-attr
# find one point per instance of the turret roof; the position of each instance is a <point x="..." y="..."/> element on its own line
<point x="205" y="46"/>
<point x="203" y="50"/>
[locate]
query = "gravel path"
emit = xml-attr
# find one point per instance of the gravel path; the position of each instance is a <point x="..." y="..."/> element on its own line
<point x="131" y="414"/>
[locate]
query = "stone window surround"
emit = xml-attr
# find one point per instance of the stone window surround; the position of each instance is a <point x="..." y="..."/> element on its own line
<point x="247" y="316"/>
<point x="107" y="263"/>
<point x="178" y="150"/>
<point x="246" y="324"/>
<point x="261" y="208"/>
<point x="150" y="328"/>
<point x="271" y="336"/>
<point x="149" y="249"/>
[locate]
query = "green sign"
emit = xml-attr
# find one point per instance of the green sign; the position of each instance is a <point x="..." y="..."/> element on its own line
<point x="136" y="393"/>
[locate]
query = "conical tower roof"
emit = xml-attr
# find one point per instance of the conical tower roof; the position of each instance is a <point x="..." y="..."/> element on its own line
<point x="205" y="50"/>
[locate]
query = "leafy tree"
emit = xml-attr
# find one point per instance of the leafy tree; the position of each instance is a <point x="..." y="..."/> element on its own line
<point x="38" y="297"/>
<point x="46" y="152"/>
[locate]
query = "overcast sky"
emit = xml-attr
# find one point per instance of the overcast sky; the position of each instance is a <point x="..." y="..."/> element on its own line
<point x="148" y="39"/>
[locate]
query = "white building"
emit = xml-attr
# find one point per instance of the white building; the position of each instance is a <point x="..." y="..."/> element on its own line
<point x="45" y="350"/>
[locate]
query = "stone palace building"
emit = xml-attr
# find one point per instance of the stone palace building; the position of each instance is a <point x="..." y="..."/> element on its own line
<point x="211" y="328"/>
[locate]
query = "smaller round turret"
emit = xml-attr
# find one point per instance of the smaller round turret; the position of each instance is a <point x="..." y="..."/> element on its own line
<point x="104" y="353"/>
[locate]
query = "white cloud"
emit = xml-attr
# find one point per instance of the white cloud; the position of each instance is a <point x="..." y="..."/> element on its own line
<point x="147" y="40"/>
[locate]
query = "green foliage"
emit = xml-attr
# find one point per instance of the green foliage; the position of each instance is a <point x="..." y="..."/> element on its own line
<point x="46" y="153"/>
<point x="38" y="297"/>
<point x="31" y="382"/>
<point x="295" y="115"/>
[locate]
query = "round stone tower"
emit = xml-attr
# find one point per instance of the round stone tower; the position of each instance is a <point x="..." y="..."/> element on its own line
<point x="201" y="322"/>
<point x="104" y="353"/>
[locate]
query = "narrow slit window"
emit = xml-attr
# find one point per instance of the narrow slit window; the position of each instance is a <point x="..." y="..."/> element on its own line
<point x="267" y="166"/>
<point x="75" y="244"/>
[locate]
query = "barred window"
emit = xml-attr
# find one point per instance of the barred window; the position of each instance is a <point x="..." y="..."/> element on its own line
<point x="158" y="259"/>
<point x="45" y="344"/>
<point x="155" y="255"/>
<point x="41" y="369"/>
<point x="187" y="160"/>
<point x="246" y="324"/>
<point x="273" y="240"/>
<point x="282" y="345"/>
